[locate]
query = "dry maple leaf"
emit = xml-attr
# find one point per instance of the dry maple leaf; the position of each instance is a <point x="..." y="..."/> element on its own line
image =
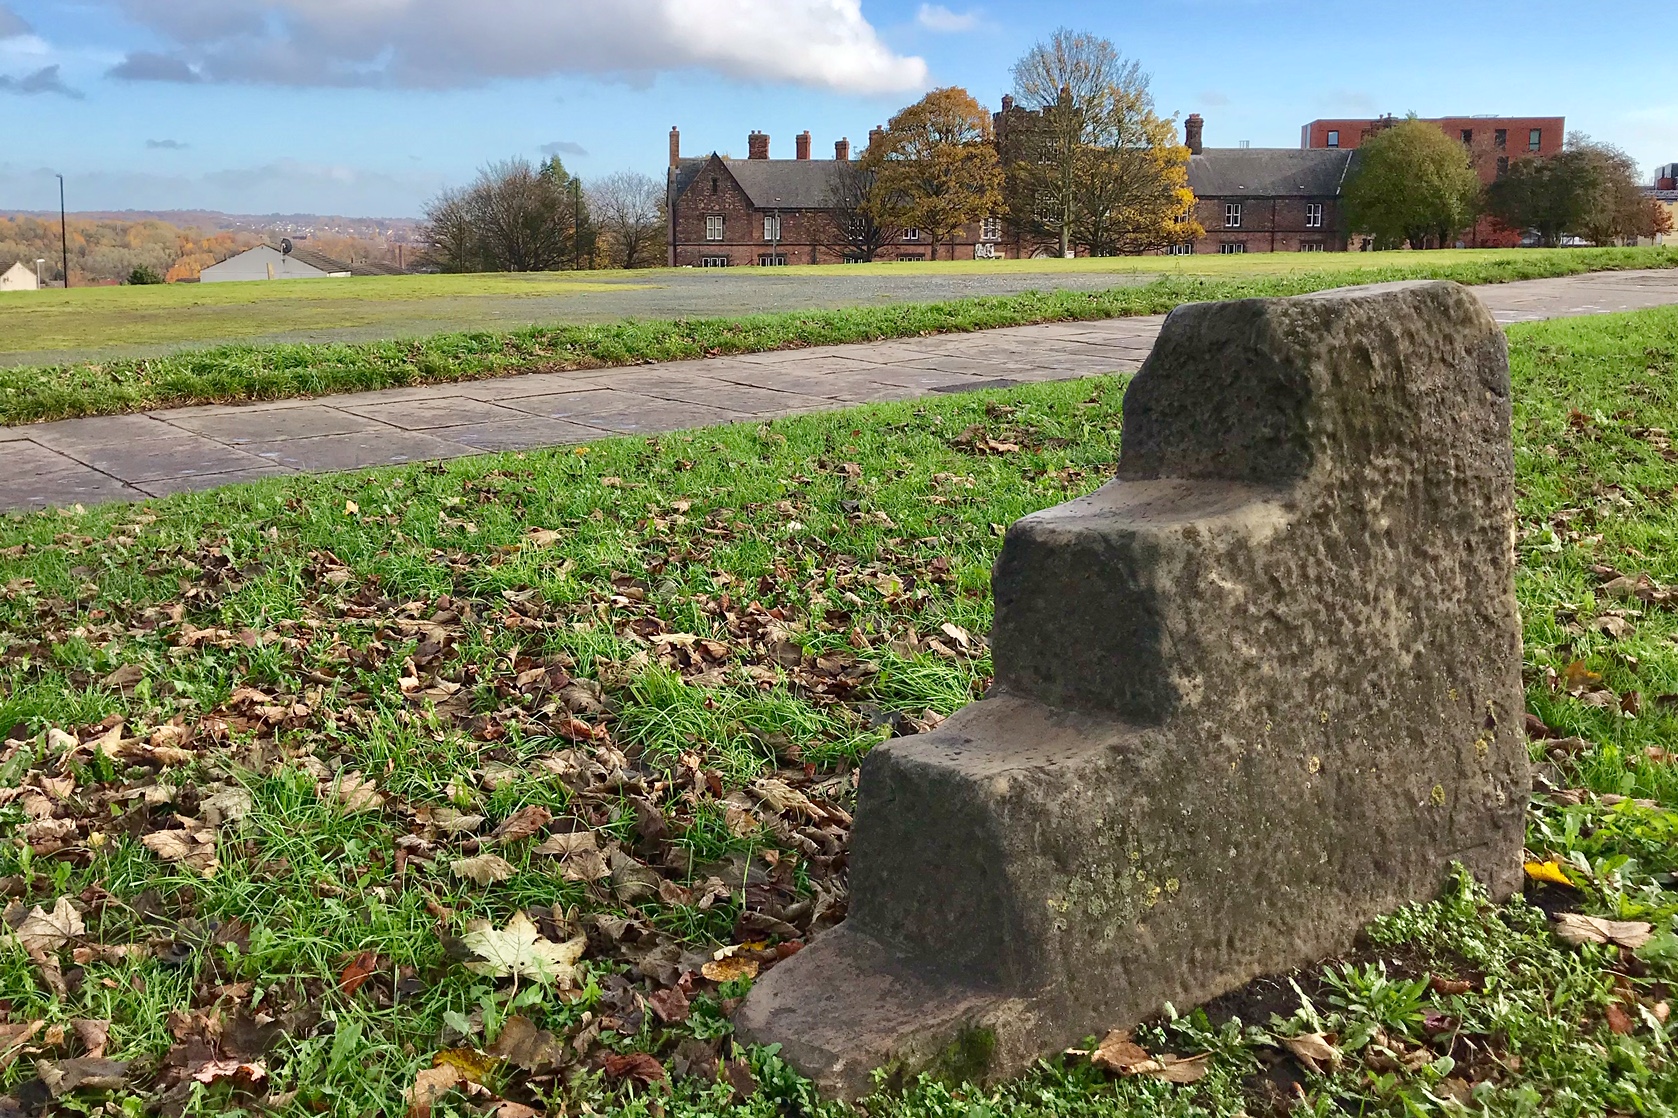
<point x="13" y="1038"/>
<point x="1577" y="929"/>
<point x="485" y="869"/>
<point x="93" y="1034"/>
<point x="194" y="849"/>
<point x="520" y="951"/>
<point x="359" y="970"/>
<point x="534" y="1050"/>
<point x="249" y="1073"/>
<point x="47" y="932"/>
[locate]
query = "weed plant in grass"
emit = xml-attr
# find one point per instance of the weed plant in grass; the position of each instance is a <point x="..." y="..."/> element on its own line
<point x="233" y="373"/>
<point x="284" y="763"/>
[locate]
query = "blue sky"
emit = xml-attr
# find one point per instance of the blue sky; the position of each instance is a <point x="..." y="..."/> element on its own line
<point x="368" y="107"/>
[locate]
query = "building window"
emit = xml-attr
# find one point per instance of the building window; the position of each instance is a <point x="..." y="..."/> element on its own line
<point x="713" y="227"/>
<point x="985" y="251"/>
<point x="908" y="257"/>
<point x="1468" y="135"/>
<point x="1310" y="246"/>
<point x="1232" y="248"/>
<point x="1501" y="137"/>
<point x="772" y="260"/>
<point x="1232" y="215"/>
<point x="1185" y="249"/>
<point x="713" y="261"/>
<point x="772" y="227"/>
<point x="1535" y="139"/>
<point x="911" y="234"/>
<point x="1313" y="215"/>
<point x="1334" y="138"/>
<point x="990" y="229"/>
<point x="1502" y="165"/>
<point x="713" y="184"/>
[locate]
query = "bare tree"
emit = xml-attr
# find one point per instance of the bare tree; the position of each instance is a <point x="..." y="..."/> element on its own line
<point x="515" y="218"/>
<point x="628" y="208"/>
<point x="1086" y="97"/>
<point x="858" y="226"/>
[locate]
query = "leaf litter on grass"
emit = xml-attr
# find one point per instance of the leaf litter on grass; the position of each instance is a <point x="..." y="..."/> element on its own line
<point x="642" y="735"/>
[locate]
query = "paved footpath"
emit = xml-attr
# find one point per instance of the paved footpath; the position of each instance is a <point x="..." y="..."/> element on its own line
<point x="133" y="457"/>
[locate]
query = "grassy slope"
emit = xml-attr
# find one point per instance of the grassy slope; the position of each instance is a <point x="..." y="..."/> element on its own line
<point x="649" y="537"/>
<point x="242" y="372"/>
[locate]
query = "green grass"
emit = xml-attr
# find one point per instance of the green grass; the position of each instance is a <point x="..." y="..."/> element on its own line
<point x="232" y="373"/>
<point x="819" y="554"/>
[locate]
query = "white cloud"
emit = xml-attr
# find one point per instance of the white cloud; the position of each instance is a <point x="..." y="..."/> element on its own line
<point x="936" y="17"/>
<point x="12" y="25"/>
<point x="441" y="44"/>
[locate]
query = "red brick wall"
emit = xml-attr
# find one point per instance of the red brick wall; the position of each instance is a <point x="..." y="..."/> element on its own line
<point x="803" y="232"/>
<point x="1269" y="225"/>
<point x="1552" y="132"/>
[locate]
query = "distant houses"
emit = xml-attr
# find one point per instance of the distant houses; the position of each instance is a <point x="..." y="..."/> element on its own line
<point x="19" y="277"/>
<point x="266" y="262"/>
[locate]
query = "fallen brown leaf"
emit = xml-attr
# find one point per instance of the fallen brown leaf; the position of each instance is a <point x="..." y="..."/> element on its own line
<point x="1619" y="1021"/>
<point x="50" y="931"/>
<point x="485" y="869"/>
<point x="522" y="824"/>
<point x="359" y="970"/>
<point x="430" y="1085"/>
<point x="194" y="849"/>
<point x="1576" y="929"/>
<point x="522" y="1043"/>
<point x="634" y="1065"/>
<point x="1312" y="1050"/>
<point x="728" y="969"/>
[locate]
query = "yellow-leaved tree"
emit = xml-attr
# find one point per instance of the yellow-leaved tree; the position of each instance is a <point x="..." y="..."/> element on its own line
<point x="935" y="167"/>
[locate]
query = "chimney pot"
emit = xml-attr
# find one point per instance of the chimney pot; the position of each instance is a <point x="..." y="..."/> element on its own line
<point x="757" y="145"/>
<point x="803" y="141"/>
<point x="876" y="135"/>
<point x="675" y="146"/>
<point x="842" y="150"/>
<point x="1193" y="128"/>
<point x="1007" y="102"/>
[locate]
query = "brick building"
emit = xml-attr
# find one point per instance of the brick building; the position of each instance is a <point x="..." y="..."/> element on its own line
<point x="1265" y="199"/>
<point x="771" y="212"/>
<point x="1493" y="143"/>
<point x="1665" y="194"/>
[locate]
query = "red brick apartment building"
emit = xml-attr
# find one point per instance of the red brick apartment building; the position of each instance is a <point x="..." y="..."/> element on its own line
<point x="770" y="212"/>
<point x="1493" y="142"/>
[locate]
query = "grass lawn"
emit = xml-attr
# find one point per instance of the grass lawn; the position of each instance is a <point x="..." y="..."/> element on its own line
<point x="318" y="789"/>
<point x="232" y="373"/>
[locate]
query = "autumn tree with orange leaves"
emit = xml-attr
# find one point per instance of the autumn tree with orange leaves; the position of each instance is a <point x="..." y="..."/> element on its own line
<point x="935" y="167"/>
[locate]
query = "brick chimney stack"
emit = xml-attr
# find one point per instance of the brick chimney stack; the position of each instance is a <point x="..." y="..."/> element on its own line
<point x="675" y="146"/>
<point x="1192" y="130"/>
<point x="803" y="141"/>
<point x="1007" y="102"/>
<point x="876" y="134"/>
<point x="757" y="145"/>
<point x="842" y="150"/>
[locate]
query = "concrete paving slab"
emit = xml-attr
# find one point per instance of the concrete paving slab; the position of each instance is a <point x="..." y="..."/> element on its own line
<point x="197" y="483"/>
<point x="730" y="397"/>
<point x="806" y="382"/>
<point x="432" y="412"/>
<point x="37" y="477"/>
<point x="357" y="449"/>
<point x="180" y="456"/>
<point x="101" y="431"/>
<point x="628" y="412"/>
<point x="527" y="384"/>
<point x="528" y="432"/>
<point x="273" y="425"/>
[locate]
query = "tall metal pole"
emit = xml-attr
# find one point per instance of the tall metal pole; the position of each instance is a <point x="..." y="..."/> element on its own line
<point x="577" y="223"/>
<point x="64" y="232"/>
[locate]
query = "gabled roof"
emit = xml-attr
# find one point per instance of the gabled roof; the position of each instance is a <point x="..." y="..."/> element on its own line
<point x="331" y="264"/>
<point x="787" y="184"/>
<point x="1269" y="172"/>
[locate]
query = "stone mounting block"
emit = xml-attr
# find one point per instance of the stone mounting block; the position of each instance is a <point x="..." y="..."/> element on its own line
<point x="1259" y="689"/>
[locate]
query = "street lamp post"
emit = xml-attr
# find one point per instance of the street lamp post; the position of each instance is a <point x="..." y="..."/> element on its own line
<point x="40" y="264"/>
<point x="64" y="232"/>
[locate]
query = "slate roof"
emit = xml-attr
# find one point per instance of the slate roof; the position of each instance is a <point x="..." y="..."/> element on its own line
<point x="331" y="264"/>
<point x="1269" y="172"/>
<point x="788" y="184"/>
